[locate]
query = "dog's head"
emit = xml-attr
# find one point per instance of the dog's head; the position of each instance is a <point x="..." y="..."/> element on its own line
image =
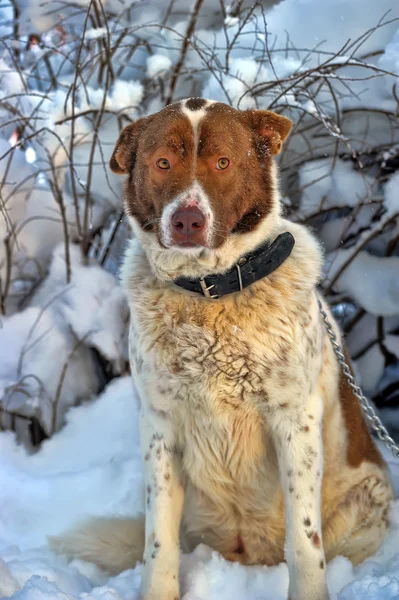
<point x="199" y="174"/>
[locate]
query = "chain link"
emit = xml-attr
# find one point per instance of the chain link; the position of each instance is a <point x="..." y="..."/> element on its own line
<point x="368" y="410"/>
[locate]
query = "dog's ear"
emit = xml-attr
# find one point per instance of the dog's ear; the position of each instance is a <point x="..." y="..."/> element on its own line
<point x="125" y="151"/>
<point x="267" y="124"/>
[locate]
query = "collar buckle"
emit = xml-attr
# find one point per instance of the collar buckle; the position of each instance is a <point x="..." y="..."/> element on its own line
<point x="239" y="275"/>
<point x="206" y="289"/>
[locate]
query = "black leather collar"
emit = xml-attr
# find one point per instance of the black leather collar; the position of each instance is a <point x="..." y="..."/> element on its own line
<point x="250" y="268"/>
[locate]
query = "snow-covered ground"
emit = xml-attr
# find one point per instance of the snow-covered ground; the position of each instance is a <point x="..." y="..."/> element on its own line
<point x="92" y="467"/>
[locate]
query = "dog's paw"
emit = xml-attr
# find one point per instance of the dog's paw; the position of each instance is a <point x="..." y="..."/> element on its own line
<point x="161" y="592"/>
<point x="379" y="491"/>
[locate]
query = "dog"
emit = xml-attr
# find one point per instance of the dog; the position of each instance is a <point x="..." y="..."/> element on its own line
<point x="252" y="439"/>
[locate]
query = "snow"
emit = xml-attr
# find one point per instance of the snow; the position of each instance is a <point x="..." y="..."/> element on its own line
<point x="125" y="97"/>
<point x="52" y="145"/>
<point x="392" y="195"/>
<point x="371" y="367"/>
<point x="92" y="304"/>
<point x="92" y="467"/>
<point x="244" y="73"/>
<point x="13" y="171"/>
<point x="30" y="341"/>
<point x="61" y="325"/>
<point x="96" y="33"/>
<point x="365" y="278"/>
<point x="11" y="82"/>
<point x="231" y="21"/>
<point x="106" y="187"/>
<point x="317" y="19"/>
<point x="33" y="217"/>
<point x="157" y="64"/>
<point x="326" y="185"/>
<point x="390" y="59"/>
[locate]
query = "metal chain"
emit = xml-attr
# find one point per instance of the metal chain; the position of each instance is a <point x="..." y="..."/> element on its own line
<point x="368" y="410"/>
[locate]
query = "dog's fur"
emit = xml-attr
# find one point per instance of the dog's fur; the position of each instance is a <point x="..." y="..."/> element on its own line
<point x="252" y="440"/>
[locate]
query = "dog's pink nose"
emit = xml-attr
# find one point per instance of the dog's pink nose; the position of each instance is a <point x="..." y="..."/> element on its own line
<point x="187" y="226"/>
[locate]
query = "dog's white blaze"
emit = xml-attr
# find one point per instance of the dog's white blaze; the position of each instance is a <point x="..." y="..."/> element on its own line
<point x="195" y="116"/>
<point x="196" y="192"/>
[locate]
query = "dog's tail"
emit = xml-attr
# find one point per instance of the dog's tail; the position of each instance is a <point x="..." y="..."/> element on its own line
<point x="113" y="544"/>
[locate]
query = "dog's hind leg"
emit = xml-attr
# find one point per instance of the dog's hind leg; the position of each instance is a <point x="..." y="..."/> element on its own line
<point x="357" y="526"/>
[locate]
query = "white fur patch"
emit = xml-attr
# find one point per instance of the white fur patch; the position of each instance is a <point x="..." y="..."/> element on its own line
<point x="196" y="192"/>
<point x="195" y="116"/>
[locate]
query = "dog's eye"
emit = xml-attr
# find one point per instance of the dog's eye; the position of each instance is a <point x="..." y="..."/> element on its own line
<point x="222" y="163"/>
<point x="163" y="163"/>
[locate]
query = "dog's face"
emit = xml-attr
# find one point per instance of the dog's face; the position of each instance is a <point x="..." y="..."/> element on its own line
<point x="199" y="171"/>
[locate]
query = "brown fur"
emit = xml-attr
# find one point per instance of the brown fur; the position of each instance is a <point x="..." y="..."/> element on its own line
<point x="360" y="444"/>
<point x="246" y="141"/>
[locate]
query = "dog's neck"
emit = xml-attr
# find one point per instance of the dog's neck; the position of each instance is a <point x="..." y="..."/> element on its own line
<point x="249" y="269"/>
<point x="172" y="264"/>
<point x="303" y="267"/>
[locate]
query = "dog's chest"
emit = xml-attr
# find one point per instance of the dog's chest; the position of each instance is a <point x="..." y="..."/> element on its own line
<point x="206" y="368"/>
<point x="202" y="355"/>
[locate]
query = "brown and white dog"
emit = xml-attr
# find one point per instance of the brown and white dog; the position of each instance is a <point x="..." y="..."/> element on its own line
<point x="253" y="442"/>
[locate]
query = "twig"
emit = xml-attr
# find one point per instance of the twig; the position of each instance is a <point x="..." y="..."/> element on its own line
<point x="185" y="46"/>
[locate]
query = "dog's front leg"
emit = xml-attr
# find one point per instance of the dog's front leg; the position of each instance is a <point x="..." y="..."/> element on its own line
<point x="298" y="440"/>
<point x="164" y="503"/>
